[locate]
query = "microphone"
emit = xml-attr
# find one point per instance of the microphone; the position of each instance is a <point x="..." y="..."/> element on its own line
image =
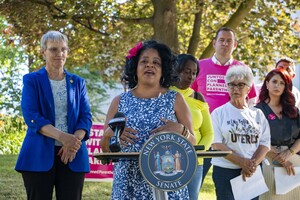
<point x="117" y="124"/>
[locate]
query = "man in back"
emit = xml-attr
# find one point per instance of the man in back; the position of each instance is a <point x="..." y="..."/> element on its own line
<point x="210" y="81"/>
<point x="288" y="64"/>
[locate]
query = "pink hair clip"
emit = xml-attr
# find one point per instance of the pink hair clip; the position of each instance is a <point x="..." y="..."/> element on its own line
<point x="133" y="52"/>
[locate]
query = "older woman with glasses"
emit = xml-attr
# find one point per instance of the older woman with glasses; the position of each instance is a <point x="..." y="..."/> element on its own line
<point x="56" y="110"/>
<point x="244" y="131"/>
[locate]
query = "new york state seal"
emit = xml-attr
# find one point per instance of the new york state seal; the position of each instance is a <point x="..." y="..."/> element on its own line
<point x="168" y="161"/>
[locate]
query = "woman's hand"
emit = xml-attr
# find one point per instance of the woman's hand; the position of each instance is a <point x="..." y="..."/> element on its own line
<point x="128" y="136"/>
<point x="273" y="152"/>
<point x="248" y="167"/>
<point x="283" y="156"/>
<point x="245" y="175"/>
<point x="169" y="126"/>
<point x="71" y="144"/>
<point x="67" y="155"/>
<point x="289" y="168"/>
<point x="70" y="141"/>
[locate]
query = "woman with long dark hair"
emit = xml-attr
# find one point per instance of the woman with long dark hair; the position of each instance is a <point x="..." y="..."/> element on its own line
<point x="278" y="105"/>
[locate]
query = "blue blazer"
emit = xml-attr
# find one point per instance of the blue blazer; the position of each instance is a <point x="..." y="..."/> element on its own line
<point x="37" y="152"/>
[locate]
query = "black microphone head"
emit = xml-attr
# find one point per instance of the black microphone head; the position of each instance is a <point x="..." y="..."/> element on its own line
<point x="115" y="147"/>
<point x="119" y="114"/>
<point x="117" y="124"/>
<point x="119" y="121"/>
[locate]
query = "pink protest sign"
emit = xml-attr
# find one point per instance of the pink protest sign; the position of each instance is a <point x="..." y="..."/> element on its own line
<point x="98" y="171"/>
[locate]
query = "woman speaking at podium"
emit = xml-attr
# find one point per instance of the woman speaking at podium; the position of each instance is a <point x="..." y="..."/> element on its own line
<point x="149" y="107"/>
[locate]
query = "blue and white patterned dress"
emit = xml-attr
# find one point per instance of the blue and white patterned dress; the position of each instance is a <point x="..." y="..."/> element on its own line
<point x="143" y="115"/>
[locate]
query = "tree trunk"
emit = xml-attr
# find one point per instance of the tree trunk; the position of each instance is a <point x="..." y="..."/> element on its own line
<point x="235" y="20"/>
<point x="194" y="41"/>
<point x="30" y="62"/>
<point x="165" y="23"/>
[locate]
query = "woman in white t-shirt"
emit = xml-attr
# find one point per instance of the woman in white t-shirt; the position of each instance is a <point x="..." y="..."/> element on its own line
<point x="244" y="131"/>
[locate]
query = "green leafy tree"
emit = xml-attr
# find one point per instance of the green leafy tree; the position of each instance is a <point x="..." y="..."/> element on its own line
<point x="12" y="132"/>
<point x="97" y="90"/>
<point x="14" y="63"/>
<point x="12" y="56"/>
<point x="101" y="31"/>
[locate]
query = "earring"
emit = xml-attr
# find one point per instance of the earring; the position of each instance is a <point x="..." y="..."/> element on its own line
<point x="162" y="80"/>
<point x="135" y="78"/>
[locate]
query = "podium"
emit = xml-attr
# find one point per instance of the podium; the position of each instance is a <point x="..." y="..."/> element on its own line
<point x="135" y="155"/>
<point x="167" y="161"/>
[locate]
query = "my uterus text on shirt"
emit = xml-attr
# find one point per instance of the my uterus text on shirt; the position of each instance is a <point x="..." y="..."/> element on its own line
<point x="244" y="139"/>
<point x="243" y="132"/>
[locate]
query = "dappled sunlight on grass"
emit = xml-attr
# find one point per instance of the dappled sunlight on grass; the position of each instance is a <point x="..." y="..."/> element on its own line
<point x="208" y="189"/>
<point x="97" y="190"/>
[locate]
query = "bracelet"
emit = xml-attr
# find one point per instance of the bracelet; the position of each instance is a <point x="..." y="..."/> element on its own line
<point x="292" y="151"/>
<point x="185" y="132"/>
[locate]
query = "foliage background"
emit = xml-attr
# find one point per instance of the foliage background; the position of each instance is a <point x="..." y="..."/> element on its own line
<point x="101" y="32"/>
<point x="12" y="132"/>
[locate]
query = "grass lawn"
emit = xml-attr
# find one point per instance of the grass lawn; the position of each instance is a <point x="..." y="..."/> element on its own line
<point x="12" y="188"/>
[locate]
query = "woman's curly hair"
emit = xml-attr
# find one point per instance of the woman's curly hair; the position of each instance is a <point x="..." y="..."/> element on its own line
<point x="167" y="63"/>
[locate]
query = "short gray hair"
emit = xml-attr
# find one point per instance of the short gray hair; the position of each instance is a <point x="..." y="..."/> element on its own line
<point x="239" y="73"/>
<point x="55" y="36"/>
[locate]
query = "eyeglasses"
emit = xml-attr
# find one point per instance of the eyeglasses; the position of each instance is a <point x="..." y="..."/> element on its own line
<point x="55" y="50"/>
<point x="239" y="85"/>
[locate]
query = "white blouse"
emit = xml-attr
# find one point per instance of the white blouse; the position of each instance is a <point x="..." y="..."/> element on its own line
<point x="59" y="91"/>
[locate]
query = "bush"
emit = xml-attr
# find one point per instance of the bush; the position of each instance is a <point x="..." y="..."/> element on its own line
<point x="12" y="133"/>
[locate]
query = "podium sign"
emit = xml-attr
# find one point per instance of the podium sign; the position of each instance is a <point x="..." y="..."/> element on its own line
<point x="98" y="171"/>
<point x="168" y="161"/>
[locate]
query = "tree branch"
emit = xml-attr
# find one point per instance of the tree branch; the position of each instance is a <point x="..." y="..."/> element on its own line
<point x="195" y="38"/>
<point x="64" y="15"/>
<point x="148" y="20"/>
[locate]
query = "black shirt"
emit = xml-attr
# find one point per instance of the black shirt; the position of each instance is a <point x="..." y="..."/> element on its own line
<point x="285" y="131"/>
